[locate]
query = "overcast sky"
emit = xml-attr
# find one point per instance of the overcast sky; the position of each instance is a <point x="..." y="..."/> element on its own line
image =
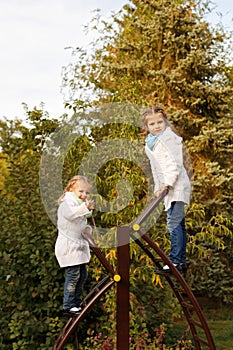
<point x="33" y="37"/>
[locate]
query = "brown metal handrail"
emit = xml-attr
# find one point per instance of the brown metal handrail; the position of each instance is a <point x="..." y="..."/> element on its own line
<point x="72" y="324"/>
<point x="150" y="208"/>
<point x="185" y="288"/>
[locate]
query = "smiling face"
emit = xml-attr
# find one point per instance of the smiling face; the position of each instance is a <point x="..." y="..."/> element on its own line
<point x="155" y="123"/>
<point x="81" y="189"/>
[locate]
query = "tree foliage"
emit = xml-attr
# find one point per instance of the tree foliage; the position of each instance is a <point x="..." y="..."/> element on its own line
<point x="166" y="53"/>
<point x="28" y="292"/>
<point x="161" y="54"/>
<point x="31" y="281"/>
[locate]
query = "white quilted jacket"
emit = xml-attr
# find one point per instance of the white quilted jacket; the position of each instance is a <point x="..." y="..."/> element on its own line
<point x="71" y="248"/>
<point x="167" y="167"/>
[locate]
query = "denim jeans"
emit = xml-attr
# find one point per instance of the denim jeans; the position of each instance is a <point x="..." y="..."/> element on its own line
<point x="73" y="287"/>
<point x="177" y="230"/>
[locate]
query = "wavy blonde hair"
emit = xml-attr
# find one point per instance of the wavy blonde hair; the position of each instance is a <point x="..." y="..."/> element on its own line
<point x="71" y="183"/>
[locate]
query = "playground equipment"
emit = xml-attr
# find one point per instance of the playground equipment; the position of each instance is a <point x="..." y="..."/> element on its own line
<point x="187" y="300"/>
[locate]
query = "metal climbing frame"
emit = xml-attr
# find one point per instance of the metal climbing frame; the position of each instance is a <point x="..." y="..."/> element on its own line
<point x="72" y="323"/>
<point x="90" y="300"/>
<point x="187" y="300"/>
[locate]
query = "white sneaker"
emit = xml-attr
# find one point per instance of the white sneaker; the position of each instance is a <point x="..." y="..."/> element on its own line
<point x="75" y="309"/>
<point x="166" y="267"/>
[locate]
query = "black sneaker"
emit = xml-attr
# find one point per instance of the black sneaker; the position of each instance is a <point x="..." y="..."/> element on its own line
<point x="183" y="267"/>
<point x="73" y="312"/>
<point x="166" y="269"/>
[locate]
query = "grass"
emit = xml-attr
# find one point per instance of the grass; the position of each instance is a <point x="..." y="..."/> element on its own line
<point x="220" y="322"/>
<point x="222" y="333"/>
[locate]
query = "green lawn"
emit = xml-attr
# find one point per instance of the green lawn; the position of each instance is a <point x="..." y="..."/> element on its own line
<point x="222" y="332"/>
<point x="220" y="322"/>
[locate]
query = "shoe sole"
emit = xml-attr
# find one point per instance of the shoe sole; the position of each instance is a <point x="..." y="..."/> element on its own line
<point x="166" y="272"/>
<point x="70" y="313"/>
<point x="163" y="272"/>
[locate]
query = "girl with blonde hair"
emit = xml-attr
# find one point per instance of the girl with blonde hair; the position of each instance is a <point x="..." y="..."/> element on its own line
<point x="71" y="249"/>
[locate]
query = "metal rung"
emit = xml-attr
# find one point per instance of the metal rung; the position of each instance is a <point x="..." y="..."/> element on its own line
<point x="147" y="247"/>
<point x="180" y="290"/>
<point x="198" y="324"/>
<point x="204" y="341"/>
<point x="96" y="289"/>
<point x="188" y="306"/>
<point x="158" y="260"/>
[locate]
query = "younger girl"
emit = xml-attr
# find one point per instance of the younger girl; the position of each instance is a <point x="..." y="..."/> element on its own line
<point x="72" y="250"/>
<point x="164" y="150"/>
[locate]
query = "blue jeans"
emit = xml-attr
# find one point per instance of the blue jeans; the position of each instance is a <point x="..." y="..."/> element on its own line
<point x="74" y="283"/>
<point x="177" y="230"/>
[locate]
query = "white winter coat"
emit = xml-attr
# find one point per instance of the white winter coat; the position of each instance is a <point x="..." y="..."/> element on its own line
<point x="167" y="167"/>
<point x="71" y="248"/>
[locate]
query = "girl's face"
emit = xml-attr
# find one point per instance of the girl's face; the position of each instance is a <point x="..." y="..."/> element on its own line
<point x="156" y="123"/>
<point x="82" y="190"/>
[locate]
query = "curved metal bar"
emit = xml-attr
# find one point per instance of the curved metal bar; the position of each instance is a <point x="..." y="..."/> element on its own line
<point x="157" y="262"/>
<point x="72" y="324"/>
<point x="62" y="334"/>
<point x="187" y="291"/>
<point x="176" y="273"/>
<point x="98" y="253"/>
<point x="104" y="284"/>
<point x="96" y="288"/>
<point x="150" y="208"/>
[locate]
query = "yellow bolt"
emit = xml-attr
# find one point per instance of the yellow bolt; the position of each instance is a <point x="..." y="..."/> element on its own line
<point x="117" y="278"/>
<point x="136" y="227"/>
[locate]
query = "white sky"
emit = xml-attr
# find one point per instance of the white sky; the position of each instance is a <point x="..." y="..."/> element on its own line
<point x="33" y="37"/>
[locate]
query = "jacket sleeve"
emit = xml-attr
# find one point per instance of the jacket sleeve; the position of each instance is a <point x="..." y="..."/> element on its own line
<point x="169" y="169"/>
<point x="71" y="210"/>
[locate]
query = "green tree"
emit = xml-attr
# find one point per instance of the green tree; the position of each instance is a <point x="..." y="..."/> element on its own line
<point x="3" y="170"/>
<point x="31" y="281"/>
<point x="151" y="52"/>
<point x="156" y="52"/>
<point x="165" y="52"/>
<point x="28" y="293"/>
<point x="171" y="57"/>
